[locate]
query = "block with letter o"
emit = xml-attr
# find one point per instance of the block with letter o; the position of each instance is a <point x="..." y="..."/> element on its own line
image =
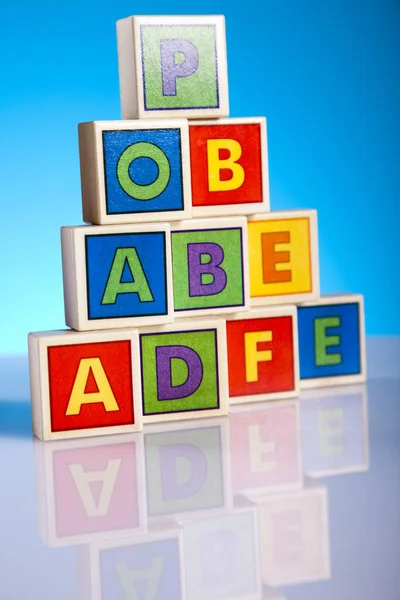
<point x="135" y="171"/>
<point x="172" y="66"/>
<point x="83" y="384"/>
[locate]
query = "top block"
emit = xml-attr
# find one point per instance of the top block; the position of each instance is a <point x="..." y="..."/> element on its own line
<point x="173" y="67"/>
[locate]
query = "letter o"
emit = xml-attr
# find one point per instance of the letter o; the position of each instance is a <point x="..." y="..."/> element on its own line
<point x="143" y="150"/>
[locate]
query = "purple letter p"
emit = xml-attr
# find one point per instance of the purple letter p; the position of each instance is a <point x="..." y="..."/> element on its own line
<point x="171" y="70"/>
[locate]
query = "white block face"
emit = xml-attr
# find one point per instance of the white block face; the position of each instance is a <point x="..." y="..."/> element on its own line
<point x="173" y="66"/>
<point x="210" y="266"/>
<point x="135" y="171"/>
<point x="263" y="355"/>
<point x="229" y="164"/>
<point x="283" y="257"/>
<point x="117" y="276"/>
<point x="332" y="341"/>
<point x="84" y="384"/>
<point x="183" y="369"/>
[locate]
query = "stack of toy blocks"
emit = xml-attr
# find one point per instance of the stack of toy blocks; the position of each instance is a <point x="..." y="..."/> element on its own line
<point x="185" y="294"/>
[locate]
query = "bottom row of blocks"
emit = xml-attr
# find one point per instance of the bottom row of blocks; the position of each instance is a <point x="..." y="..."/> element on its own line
<point x="99" y="382"/>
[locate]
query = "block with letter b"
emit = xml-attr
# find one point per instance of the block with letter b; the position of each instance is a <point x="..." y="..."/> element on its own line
<point x="183" y="370"/>
<point x="229" y="167"/>
<point x="84" y="384"/>
<point x="210" y="266"/>
<point x="135" y="171"/>
<point x="332" y="341"/>
<point x="117" y="276"/>
<point x="283" y="257"/>
<point x="172" y="66"/>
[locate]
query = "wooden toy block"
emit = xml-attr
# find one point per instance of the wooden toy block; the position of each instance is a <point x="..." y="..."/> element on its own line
<point x="173" y="66"/>
<point x="210" y="266"/>
<point x="188" y="471"/>
<point x="332" y="341"/>
<point x="229" y="167"/>
<point x="84" y="384"/>
<point x="283" y="257"/>
<point x="135" y="171"/>
<point x="334" y="428"/>
<point x="117" y="276"/>
<point x="183" y="368"/>
<point x="294" y="537"/>
<point x="263" y="355"/>
<point x="222" y="556"/>
<point x="147" y="566"/>
<point x="89" y="489"/>
<point x="265" y="448"/>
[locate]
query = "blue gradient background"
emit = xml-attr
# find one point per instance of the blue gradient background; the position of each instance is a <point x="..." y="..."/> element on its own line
<point x="326" y="75"/>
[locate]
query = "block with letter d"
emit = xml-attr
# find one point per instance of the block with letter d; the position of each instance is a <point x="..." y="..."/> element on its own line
<point x="283" y="257"/>
<point x="117" y="276"/>
<point x="172" y="66"/>
<point x="210" y="266"/>
<point x="183" y="370"/>
<point x="332" y="341"/>
<point x="229" y="167"/>
<point x="84" y="384"/>
<point x="135" y="171"/>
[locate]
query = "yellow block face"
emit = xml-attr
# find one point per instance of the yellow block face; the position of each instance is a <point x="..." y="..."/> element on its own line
<point x="280" y="257"/>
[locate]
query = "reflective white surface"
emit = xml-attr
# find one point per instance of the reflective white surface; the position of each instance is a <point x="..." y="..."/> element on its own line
<point x="287" y="500"/>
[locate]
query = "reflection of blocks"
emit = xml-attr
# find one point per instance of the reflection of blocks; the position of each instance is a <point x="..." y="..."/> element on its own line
<point x="210" y="266"/>
<point x="265" y="448"/>
<point x="184" y="371"/>
<point x="89" y="489"/>
<point x="294" y="537"/>
<point x="134" y="171"/>
<point x="283" y="257"/>
<point x="149" y="566"/>
<point x="172" y="67"/>
<point x="332" y="341"/>
<point x="334" y="426"/>
<point x="263" y="354"/>
<point x="229" y="167"/>
<point x="187" y="471"/>
<point x="222" y="556"/>
<point x="111" y="277"/>
<point x="84" y="384"/>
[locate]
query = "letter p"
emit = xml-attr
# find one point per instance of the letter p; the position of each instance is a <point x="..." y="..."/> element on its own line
<point x="172" y="68"/>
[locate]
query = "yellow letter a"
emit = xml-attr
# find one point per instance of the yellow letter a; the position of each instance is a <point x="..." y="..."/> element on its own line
<point x="79" y="396"/>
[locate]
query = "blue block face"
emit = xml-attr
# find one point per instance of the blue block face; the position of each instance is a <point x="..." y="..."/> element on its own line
<point x="143" y="171"/>
<point x="142" y="571"/>
<point x="329" y="340"/>
<point x="126" y="275"/>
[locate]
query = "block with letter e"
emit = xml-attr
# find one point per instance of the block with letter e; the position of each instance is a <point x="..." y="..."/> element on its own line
<point x="332" y="341"/>
<point x="172" y="66"/>
<point x="84" y="384"/>
<point x="183" y="369"/>
<point x="210" y="266"/>
<point x="117" y="276"/>
<point x="229" y="166"/>
<point x="283" y="257"/>
<point x="135" y="171"/>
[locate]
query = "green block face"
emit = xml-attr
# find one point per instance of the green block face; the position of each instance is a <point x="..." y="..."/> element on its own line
<point x="207" y="268"/>
<point x="179" y="67"/>
<point x="179" y="371"/>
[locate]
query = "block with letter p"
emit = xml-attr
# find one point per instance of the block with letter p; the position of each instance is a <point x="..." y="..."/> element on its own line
<point x="332" y="341"/>
<point x="117" y="276"/>
<point x="229" y="167"/>
<point x="283" y="257"/>
<point x="172" y="66"/>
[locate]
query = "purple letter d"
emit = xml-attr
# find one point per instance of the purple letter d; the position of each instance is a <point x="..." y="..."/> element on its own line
<point x="171" y="70"/>
<point x="165" y="388"/>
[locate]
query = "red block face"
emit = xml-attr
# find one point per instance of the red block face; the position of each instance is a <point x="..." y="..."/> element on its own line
<point x="90" y="385"/>
<point x="95" y="489"/>
<point x="261" y="357"/>
<point x="227" y="165"/>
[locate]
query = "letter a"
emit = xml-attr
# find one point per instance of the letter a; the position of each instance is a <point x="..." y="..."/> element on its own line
<point x="150" y="577"/>
<point x="104" y="394"/>
<point x="139" y="285"/>
<point x="83" y="479"/>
